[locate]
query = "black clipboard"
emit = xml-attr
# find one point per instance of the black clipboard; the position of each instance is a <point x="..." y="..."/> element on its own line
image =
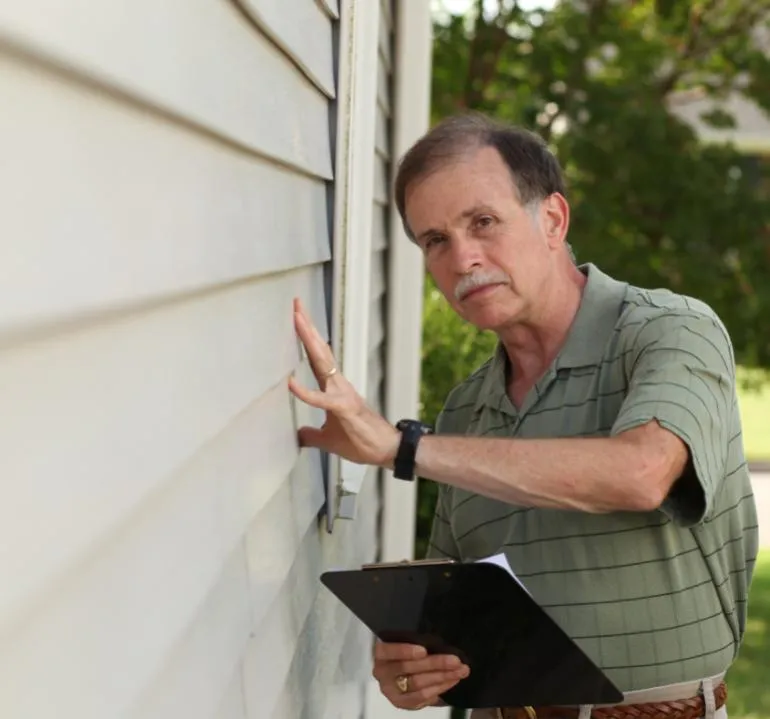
<point x="517" y="654"/>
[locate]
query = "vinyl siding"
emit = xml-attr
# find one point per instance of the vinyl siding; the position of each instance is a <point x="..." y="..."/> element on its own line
<point x="166" y="173"/>
<point x="381" y="206"/>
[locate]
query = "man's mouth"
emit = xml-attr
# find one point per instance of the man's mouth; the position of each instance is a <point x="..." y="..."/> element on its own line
<point x="479" y="290"/>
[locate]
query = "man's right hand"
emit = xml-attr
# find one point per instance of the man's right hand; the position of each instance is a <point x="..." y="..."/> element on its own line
<point x="427" y="676"/>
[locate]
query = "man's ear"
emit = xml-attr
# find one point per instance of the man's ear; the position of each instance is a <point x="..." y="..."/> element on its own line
<point x="555" y="218"/>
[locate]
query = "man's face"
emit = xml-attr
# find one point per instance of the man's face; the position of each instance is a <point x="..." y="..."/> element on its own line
<point x="490" y="257"/>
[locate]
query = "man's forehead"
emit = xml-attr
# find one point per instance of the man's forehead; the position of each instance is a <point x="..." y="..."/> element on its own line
<point x="454" y="189"/>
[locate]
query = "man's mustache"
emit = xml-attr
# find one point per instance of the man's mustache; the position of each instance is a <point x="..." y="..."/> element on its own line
<point x="479" y="279"/>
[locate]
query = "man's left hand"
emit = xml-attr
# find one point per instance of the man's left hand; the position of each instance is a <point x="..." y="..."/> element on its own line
<point x="352" y="429"/>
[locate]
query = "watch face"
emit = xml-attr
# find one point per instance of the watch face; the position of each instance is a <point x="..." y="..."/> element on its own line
<point x="405" y="424"/>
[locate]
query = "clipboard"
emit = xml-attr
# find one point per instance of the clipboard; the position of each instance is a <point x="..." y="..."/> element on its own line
<point x="517" y="654"/>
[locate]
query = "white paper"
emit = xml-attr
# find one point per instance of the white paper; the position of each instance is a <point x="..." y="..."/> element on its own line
<point x="501" y="560"/>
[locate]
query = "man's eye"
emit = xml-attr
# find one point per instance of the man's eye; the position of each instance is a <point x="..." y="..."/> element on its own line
<point x="432" y="241"/>
<point x="484" y="221"/>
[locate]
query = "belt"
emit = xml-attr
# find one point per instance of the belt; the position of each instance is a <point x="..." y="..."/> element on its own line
<point x="692" y="708"/>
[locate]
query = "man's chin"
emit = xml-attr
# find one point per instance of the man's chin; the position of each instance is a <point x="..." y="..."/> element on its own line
<point x="487" y="321"/>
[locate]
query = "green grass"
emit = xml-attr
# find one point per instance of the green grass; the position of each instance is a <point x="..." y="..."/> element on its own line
<point x="748" y="681"/>
<point x="755" y="413"/>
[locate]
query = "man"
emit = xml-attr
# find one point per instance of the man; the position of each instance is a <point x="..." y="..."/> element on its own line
<point x="600" y="447"/>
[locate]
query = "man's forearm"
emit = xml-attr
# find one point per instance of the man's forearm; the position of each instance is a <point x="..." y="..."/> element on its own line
<point x="631" y="472"/>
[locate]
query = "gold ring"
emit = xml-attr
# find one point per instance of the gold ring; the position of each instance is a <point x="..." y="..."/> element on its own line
<point x="402" y="682"/>
<point x="330" y="373"/>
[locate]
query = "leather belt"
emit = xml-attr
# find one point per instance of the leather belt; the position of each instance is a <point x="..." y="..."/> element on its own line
<point x="692" y="708"/>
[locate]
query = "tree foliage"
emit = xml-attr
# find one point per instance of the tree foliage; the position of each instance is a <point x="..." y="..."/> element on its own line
<point x="651" y="203"/>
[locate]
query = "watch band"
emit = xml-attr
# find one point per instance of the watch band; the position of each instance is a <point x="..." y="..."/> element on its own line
<point x="411" y="432"/>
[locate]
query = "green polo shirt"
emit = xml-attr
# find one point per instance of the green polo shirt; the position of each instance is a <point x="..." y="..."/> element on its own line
<point x="652" y="597"/>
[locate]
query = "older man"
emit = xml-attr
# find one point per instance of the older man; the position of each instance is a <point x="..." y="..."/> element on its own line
<point x="599" y="448"/>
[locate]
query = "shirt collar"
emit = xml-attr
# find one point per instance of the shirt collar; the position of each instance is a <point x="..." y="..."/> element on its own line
<point x="595" y="320"/>
<point x="586" y="341"/>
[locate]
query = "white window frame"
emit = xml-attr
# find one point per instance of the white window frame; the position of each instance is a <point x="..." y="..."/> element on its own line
<point x="352" y="234"/>
<point x="411" y="118"/>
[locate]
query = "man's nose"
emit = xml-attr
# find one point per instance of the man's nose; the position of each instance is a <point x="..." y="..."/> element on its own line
<point x="465" y="255"/>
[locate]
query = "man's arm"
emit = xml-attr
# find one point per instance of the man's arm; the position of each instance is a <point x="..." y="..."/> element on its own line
<point x="668" y="445"/>
<point x="673" y="425"/>
<point x="633" y="471"/>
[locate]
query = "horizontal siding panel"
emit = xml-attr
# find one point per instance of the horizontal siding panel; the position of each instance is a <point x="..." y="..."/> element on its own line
<point x="193" y="683"/>
<point x="201" y="667"/>
<point x="330" y="618"/>
<point x="269" y="655"/>
<point x="320" y="639"/>
<point x="304" y="32"/>
<point x="347" y="691"/>
<point x="195" y="365"/>
<point x="151" y="211"/>
<point x="233" y="705"/>
<point x="218" y="73"/>
<point x="275" y="536"/>
<point x="124" y="611"/>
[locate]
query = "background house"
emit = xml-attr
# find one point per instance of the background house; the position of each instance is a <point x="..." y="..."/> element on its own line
<point x="750" y="130"/>
<point x="172" y="175"/>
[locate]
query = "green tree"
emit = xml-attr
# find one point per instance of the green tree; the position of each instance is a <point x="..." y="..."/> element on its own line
<point x="650" y="203"/>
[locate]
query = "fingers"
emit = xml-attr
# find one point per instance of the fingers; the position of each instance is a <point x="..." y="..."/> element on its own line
<point x="318" y="351"/>
<point x="429" y="675"/>
<point x="314" y="398"/>
<point x="424" y="689"/>
<point x="391" y="652"/>
<point x="434" y="663"/>
<point x="411" y="659"/>
<point x="310" y="437"/>
<point x="428" y="682"/>
<point x="423" y="697"/>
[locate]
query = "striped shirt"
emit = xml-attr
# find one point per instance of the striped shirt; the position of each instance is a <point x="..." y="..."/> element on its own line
<point x="656" y="597"/>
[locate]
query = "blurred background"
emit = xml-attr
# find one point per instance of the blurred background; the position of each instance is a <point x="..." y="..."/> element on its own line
<point x="658" y="112"/>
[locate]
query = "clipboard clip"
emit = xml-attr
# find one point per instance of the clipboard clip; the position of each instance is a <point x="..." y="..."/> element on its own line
<point x="408" y="563"/>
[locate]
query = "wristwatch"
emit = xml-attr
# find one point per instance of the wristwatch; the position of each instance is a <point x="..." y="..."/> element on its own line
<point x="412" y="431"/>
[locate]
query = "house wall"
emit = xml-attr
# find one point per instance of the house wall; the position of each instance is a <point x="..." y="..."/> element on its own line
<point x="166" y="174"/>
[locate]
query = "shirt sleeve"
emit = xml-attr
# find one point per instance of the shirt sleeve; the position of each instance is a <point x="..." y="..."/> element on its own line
<point x="442" y="544"/>
<point x="681" y="372"/>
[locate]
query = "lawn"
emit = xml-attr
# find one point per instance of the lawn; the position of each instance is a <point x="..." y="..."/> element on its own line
<point x="748" y="681"/>
<point x="755" y="413"/>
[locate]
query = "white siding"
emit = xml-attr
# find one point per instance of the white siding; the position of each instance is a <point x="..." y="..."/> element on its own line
<point x="165" y="172"/>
